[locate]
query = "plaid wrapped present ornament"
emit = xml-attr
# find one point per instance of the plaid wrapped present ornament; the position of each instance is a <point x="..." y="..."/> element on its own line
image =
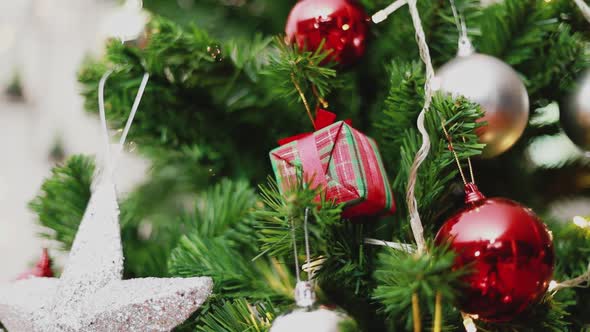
<point x="339" y="159"/>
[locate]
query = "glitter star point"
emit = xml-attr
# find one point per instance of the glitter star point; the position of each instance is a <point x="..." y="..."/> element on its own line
<point x="91" y="295"/>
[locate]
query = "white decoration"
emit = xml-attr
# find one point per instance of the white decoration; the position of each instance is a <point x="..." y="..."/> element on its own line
<point x="90" y="295"/>
<point x="323" y="320"/>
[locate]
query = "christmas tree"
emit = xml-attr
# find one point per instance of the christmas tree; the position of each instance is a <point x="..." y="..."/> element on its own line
<point x="226" y="84"/>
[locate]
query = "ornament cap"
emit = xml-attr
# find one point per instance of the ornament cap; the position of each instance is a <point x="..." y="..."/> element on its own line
<point x="465" y="47"/>
<point x="472" y="193"/>
<point x="304" y="294"/>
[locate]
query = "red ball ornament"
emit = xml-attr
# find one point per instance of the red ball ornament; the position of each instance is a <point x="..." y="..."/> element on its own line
<point x="510" y="251"/>
<point x="342" y="23"/>
<point x="41" y="270"/>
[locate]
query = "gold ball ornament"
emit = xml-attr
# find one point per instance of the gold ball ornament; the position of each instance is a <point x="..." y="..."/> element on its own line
<point x="494" y="85"/>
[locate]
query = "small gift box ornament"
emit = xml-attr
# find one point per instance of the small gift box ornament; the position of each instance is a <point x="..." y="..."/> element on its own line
<point x="344" y="162"/>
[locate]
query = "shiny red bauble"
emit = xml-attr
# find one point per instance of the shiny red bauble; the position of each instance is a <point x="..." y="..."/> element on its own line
<point x="509" y="252"/>
<point x="342" y="23"/>
<point x="41" y="270"/>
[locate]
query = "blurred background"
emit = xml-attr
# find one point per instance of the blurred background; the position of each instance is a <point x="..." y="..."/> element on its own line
<point x="42" y="43"/>
<point x="42" y="121"/>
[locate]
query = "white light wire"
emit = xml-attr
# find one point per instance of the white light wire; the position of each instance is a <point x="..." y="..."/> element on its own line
<point x="415" y="222"/>
<point x="408" y="248"/>
<point x="382" y="15"/>
<point x="583" y="8"/>
<point x="308" y="264"/>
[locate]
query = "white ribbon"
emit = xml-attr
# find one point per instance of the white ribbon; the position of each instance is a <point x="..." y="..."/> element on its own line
<point x="110" y="159"/>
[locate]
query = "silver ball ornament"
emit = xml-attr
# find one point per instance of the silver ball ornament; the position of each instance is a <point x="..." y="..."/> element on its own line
<point x="494" y="85"/>
<point x="308" y="316"/>
<point x="316" y="319"/>
<point x="574" y="114"/>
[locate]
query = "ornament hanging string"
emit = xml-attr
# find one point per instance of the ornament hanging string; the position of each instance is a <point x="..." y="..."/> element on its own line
<point x="103" y="120"/>
<point x="456" y="157"/>
<point x="469" y="165"/>
<point x="321" y="101"/>
<point x="303" y="99"/>
<point x="111" y="160"/>
<point x="465" y="46"/>
<point x="304" y="290"/>
<point x="307" y="247"/>
<point x="583" y="8"/>
<point x="306" y="237"/>
<point x="459" y="20"/>
<point x="294" y="239"/>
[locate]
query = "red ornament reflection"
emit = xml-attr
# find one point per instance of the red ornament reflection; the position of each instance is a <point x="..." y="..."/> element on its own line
<point x="510" y="252"/>
<point x="342" y="23"/>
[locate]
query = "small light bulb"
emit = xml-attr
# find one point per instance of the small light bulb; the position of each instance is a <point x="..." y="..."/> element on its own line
<point x="469" y="324"/>
<point x="581" y="222"/>
<point x="552" y="285"/>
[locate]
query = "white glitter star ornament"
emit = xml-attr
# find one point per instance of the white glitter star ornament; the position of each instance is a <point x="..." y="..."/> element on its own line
<point x="91" y="296"/>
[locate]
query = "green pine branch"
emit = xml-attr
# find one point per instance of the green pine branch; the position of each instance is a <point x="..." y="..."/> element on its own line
<point x="441" y="28"/>
<point x="181" y="62"/>
<point x="200" y="121"/>
<point x="62" y="200"/>
<point x="61" y="204"/>
<point x="287" y="210"/>
<point x="440" y="171"/>
<point x="400" y="112"/>
<point x="395" y="37"/>
<point x="238" y="316"/>
<point x="399" y="275"/>
<point x="221" y="228"/>
<point x="506" y="26"/>
<point x="291" y="69"/>
<point x="198" y="88"/>
<point x="344" y="263"/>
<point x="400" y="109"/>
<point x="572" y="249"/>
<point x="572" y="252"/>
